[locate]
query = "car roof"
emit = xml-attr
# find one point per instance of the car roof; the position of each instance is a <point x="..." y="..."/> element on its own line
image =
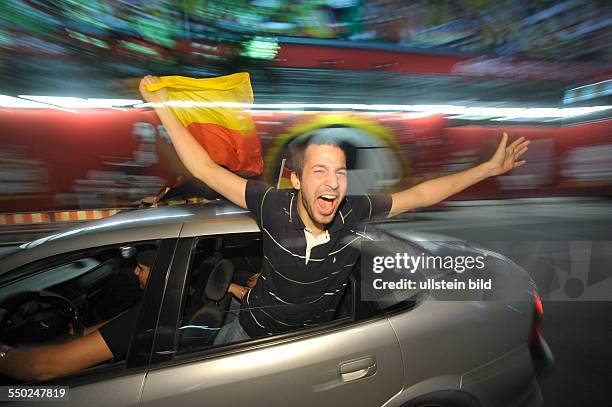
<point x="207" y="219"/>
<point x="212" y="218"/>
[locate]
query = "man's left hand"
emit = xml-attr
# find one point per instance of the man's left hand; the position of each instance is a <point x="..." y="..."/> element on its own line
<point x="506" y="158"/>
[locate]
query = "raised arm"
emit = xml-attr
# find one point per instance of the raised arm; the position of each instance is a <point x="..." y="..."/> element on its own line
<point x="192" y="154"/>
<point x="436" y="190"/>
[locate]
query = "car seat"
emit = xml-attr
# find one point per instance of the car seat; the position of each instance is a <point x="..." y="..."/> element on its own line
<point x="204" y="325"/>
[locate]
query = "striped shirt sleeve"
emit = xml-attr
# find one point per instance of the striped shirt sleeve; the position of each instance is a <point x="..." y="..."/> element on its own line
<point x="255" y="193"/>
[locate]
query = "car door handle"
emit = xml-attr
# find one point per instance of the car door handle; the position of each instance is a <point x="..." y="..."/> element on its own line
<point x="357" y="369"/>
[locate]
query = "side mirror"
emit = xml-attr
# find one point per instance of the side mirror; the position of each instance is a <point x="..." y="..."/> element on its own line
<point x="127" y="252"/>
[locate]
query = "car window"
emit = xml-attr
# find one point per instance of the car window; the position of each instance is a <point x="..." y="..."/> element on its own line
<point x="207" y="306"/>
<point x="61" y="298"/>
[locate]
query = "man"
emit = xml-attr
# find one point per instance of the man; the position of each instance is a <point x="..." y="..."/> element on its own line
<point x="99" y="343"/>
<point x="307" y="232"/>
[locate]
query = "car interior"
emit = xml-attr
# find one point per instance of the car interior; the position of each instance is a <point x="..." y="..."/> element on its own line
<point x="216" y="263"/>
<point x="62" y="295"/>
<point x="53" y="300"/>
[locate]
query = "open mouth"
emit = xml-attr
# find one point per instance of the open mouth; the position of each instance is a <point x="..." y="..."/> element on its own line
<point x="326" y="203"/>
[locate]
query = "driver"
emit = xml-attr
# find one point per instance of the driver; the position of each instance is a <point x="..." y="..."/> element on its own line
<point x="99" y="343"/>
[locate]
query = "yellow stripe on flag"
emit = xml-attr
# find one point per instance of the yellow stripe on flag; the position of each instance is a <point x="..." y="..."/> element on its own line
<point x="203" y="100"/>
<point x="204" y="107"/>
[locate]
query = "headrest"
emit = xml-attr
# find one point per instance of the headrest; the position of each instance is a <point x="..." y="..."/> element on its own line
<point x="219" y="280"/>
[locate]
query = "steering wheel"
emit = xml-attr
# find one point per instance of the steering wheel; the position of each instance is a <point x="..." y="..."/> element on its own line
<point x="37" y="317"/>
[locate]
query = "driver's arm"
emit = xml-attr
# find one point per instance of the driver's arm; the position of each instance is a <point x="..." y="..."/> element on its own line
<point x="192" y="154"/>
<point x="50" y="361"/>
<point x="95" y="327"/>
<point x="99" y="325"/>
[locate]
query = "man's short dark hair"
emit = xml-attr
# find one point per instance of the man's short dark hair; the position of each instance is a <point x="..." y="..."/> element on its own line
<point x="319" y="137"/>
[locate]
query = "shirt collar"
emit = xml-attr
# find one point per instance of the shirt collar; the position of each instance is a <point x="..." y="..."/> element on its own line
<point x="338" y="222"/>
<point x="294" y="216"/>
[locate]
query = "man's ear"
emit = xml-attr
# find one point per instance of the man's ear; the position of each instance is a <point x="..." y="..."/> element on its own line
<point x="295" y="181"/>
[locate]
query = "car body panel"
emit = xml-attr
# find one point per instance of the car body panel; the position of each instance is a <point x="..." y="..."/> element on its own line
<point x="223" y="223"/>
<point x="297" y="373"/>
<point x="458" y="337"/>
<point x="121" y="391"/>
<point x="136" y="225"/>
<point x="490" y="382"/>
<point x="118" y="392"/>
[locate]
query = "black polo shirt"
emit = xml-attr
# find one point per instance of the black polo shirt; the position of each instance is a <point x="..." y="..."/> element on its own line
<point x="293" y="293"/>
<point x="118" y="332"/>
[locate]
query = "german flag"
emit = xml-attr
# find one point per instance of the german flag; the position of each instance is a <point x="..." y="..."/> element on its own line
<point x="214" y="110"/>
<point x="284" y="176"/>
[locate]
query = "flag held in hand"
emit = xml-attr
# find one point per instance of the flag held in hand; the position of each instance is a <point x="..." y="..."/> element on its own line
<point x="214" y="111"/>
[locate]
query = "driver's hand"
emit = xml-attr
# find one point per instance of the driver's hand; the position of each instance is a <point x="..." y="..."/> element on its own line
<point x="252" y="281"/>
<point x="75" y="331"/>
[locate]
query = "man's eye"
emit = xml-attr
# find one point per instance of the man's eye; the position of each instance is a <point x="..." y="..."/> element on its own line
<point x="318" y="171"/>
<point x="342" y="173"/>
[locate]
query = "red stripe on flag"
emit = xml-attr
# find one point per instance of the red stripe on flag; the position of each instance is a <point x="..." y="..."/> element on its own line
<point x="233" y="149"/>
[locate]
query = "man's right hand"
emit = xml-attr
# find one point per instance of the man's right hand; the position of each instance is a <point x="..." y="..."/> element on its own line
<point x="238" y="291"/>
<point x="159" y="96"/>
<point x="252" y="281"/>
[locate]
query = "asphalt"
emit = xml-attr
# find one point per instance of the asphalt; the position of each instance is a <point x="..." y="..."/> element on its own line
<point x="578" y="330"/>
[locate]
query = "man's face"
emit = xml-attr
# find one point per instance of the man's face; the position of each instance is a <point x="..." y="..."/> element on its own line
<point x="323" y="182"/>
<point x="142" y="272"/>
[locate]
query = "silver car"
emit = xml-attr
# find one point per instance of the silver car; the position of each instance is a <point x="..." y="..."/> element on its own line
<point x="408" y="349"/>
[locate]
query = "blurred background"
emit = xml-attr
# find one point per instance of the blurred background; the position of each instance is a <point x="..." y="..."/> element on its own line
<point x="90" y="47"/>
<point x="417" y="89"/>
<point x="421" y="88"/>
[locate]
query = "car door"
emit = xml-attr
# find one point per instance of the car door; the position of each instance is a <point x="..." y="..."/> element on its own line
<point x="346" y="362"/>
<point x="116" y="383"/>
